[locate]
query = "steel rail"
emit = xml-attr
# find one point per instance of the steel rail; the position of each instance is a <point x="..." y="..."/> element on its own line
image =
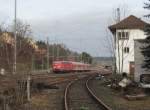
<point x="95" y="97"/>
<point x="65" y="98"/>
<point x="89" y="90"/>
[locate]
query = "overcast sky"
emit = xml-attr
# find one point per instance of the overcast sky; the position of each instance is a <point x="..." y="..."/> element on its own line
<point x="80" y="24"/>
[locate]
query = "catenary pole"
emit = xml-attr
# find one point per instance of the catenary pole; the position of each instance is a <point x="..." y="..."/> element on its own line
<point x="48" y="66"/>
<point x="15" y="39"/>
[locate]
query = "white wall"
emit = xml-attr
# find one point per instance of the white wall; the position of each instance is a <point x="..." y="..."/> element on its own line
<point x="127" y="57"/>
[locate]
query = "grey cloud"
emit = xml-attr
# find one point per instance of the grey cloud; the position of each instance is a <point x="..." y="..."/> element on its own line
<point x="80" y="24"/>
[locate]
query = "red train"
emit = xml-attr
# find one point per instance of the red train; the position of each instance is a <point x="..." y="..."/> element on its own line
<point x="69" y="66"/>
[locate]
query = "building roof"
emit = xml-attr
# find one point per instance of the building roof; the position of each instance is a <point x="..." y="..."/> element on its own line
<point x="130" y="22"/>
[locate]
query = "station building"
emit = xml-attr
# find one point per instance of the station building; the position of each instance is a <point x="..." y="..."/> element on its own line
<point x="125" y="33"/>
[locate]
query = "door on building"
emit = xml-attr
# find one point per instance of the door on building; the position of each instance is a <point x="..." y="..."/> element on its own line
<point x="132" y="68"/>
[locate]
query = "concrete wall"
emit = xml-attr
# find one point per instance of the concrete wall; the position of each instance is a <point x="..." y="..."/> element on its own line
<point x="139" y="60"/>
<point x="127" y="57"/>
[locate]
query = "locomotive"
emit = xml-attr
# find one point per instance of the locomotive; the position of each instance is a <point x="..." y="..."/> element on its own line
<point x="69" y="66"/>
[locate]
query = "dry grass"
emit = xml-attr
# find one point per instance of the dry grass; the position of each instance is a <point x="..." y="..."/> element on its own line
<point x="39" y="101"/>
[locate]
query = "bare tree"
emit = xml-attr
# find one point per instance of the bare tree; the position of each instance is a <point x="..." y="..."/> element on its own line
<point x="23" y="29"/>
<point x="113" y="41"/>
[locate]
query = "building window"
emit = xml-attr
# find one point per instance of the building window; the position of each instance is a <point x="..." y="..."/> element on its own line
<point x="126" y="49"/>
<point x="123" y="35"/>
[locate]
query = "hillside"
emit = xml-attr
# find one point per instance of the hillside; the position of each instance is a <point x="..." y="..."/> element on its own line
<point x="103" y="61"/>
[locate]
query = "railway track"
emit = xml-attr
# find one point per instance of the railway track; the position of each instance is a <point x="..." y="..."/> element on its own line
<point x="79" y="96"/>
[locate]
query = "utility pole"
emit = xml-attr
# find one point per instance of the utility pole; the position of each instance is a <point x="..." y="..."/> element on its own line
<point x="15" y="36"/>
<point x="118" y="14"/>
<point x="28" y="88"/>
<point x="118" y="49"/>
<point x="33" y="60"/>
<point x="81" y="57"/>
<point x="48" y="66"/>
<point x="57" y="51"/>
<point x="53" y="51"/>
<point x="42" y="62"/>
